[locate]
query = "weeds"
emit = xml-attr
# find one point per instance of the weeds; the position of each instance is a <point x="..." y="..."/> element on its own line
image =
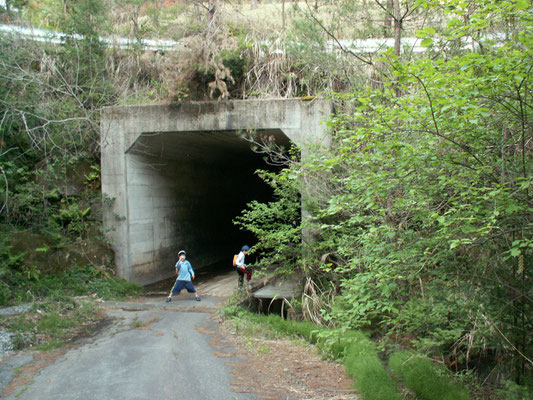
<point x="359" y="355"/>
<point x="51" y="324"/>
<point x="76" y="281"/>
<point x="421" y="376"/>
<point x="57" y="317"/>
<point x="137" y="324"/>
<point x="365" y="368"/>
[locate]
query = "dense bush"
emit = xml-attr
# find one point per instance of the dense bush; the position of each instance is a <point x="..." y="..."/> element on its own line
<point x="420" y="211"/>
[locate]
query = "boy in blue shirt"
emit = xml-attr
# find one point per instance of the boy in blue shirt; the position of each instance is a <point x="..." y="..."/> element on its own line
<point x="185" y="275"/>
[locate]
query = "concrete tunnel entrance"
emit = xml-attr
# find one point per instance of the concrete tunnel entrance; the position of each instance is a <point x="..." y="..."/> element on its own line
<point x="176" y="176"/>
<point x="200" y="181"/>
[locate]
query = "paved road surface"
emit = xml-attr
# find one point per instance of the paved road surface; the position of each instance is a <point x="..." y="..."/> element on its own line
<point x="152" y="350"/>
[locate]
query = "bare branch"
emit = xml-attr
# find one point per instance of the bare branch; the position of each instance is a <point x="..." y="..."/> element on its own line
<point x="331" y="35"/>
<point x="5" y="204"/>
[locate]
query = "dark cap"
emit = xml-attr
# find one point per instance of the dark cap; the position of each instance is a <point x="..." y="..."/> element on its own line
<point x="182" y="252"/>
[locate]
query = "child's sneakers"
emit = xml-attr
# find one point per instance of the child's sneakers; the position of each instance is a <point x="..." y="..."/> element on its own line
<point x="168" y="300"/>
<point x="198" y="298"/>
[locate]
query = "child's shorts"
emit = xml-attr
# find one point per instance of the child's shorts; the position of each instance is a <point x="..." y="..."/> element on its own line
<point x="179" y="285"/>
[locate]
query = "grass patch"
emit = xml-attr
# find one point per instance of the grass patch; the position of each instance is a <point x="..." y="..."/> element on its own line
<point x="365" y="368"/>
<point x="57" y="317"/>
<point x="270" y="325"/>
<point x="51" y="324"/>
<point x="76" y="281"/>
<point x="424" y="378"/>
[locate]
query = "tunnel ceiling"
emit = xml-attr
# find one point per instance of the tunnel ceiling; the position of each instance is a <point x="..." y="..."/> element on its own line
<point x="211" y="147"/>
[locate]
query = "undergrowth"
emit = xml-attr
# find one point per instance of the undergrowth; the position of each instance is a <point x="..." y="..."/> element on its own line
<point x="50" y="324"/>
<point x="76" y="281"/>
<point x="424" y="378"/>
<point x="359" y="354"/>
<point x="59" y="311"/>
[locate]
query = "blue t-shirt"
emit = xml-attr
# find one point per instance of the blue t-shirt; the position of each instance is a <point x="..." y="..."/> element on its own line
<point x="185" y="270"/>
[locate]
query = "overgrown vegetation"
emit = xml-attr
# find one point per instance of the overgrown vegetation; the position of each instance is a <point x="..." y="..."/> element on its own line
<point x="423" y="378"/>
<point x="51" y="324"/>
<point x="419" y="214"/>
<point x="359" y="354"/>
<point x="52" y="247"/>
<point x="418" y="217"/>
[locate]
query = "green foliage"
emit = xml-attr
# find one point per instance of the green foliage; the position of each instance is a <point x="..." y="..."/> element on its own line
<point x="261" y="322"/>
<point x="276" y="224"/>
<point x="369" y="375"/>
<point x="442" y="322"/>
<point x="237" y="64"/>
<point x="48" y="139"/>
<point x="421" y="210"/>
<point x="421" y="376"/>
<point x="512" y="391"/>
<point x="84" y="54"/>
<point x="86" y="280"/>
<point x="22" y="282"/>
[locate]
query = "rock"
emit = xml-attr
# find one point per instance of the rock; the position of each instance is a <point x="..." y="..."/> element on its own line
<point x="15" y="309"/>
<point x="36" y="249"/>
<point x="70" y="180"/>
<point x="96" y="209"/>
<point x="39" y="253"/>
<point x="76" y="178"/>
<point x="83" y="253"/>
<point x="6" y="345"/>
<point x="69" y="256"/>
<point x="98" y="253"/>
<point x="8" y="367"/>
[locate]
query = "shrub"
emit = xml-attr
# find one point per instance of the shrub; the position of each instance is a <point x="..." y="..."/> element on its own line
<point x="421" y="376"/>
<point x="365" y="368"/>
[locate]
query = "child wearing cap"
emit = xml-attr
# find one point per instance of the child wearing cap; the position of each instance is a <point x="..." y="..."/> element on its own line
<point x="185" y="275"/>
<point x="241" y="267"/>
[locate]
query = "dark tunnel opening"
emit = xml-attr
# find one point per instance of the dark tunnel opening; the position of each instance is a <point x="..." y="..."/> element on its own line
<point x="188" y="189"/>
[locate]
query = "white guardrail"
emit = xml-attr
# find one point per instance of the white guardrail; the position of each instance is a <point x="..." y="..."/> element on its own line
<point x="46" y="35"/>
<point x="360" y="46"/>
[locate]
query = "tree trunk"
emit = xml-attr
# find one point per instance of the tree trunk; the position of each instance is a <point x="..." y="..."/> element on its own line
<point x="398" y="22"/>
<point x="135" y="21"/>
<point x="283" y="14"/>
<point x="397" y="37"/>
<point x="156" y="13"/>
<point x="388" y="18"/>
<point x="197" y="12"/>
<point x="212" y="12"/>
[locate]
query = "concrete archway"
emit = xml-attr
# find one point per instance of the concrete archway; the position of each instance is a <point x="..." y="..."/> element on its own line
<point x="175" y="176"/>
